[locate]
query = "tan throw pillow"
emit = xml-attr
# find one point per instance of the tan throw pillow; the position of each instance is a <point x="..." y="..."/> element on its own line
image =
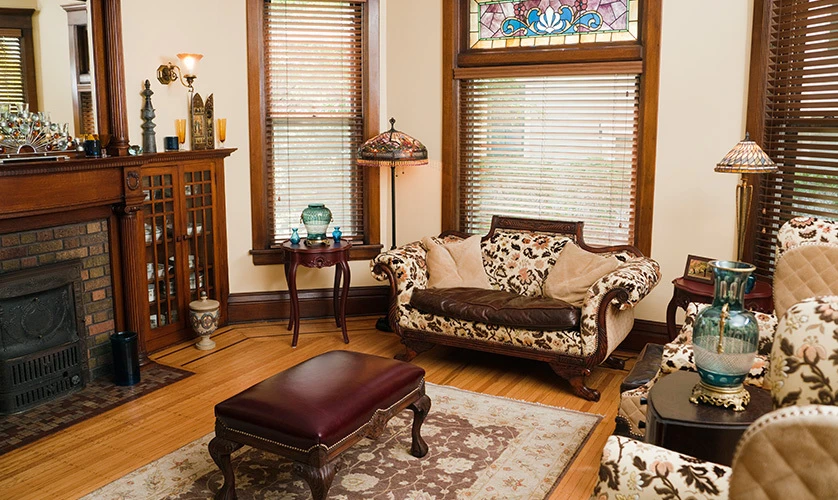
<point x="459" y="263"/>
<point x="574" y="272"/>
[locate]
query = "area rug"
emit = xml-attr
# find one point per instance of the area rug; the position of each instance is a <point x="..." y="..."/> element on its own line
<point x="480" y="447"/>
<point x="97" y="397"/>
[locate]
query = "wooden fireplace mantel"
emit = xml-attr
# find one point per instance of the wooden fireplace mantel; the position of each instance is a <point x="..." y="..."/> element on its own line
<point x="36" y="195"/>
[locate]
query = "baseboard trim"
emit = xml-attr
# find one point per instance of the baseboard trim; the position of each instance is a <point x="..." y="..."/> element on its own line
<point x="314" y="303"/>
<point x="645" y="332"/>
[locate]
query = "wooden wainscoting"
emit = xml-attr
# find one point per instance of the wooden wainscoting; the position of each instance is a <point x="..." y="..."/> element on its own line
<point x="315" y="303"/>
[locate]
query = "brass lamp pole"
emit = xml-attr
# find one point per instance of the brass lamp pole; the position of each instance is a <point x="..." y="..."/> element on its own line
<point x="745" y="158"/>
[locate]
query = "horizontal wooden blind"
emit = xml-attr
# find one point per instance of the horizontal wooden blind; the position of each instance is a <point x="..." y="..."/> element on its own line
<point x="558" y="147"/>
<point x="12" y="90"/>
<point x="314" y="86"/>
<point x="801" y="118"/>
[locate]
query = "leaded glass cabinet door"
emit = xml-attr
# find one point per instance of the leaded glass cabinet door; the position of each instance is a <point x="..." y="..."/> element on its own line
<point x="160" y="220"/>
<point x="199" y="234"/>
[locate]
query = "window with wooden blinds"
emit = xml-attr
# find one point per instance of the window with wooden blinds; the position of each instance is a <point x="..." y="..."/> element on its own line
<point x="12" y="76"/>
<point x="553" y="147"/>
<point x="801" y="120"/>
<point x="315" y="112"/>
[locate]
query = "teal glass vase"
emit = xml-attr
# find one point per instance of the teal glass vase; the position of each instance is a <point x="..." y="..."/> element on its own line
<point x="316" y="219"/>
<point x="336" y="234"/>
<point x="295" y="236"/>
<point x="725" y="339"/>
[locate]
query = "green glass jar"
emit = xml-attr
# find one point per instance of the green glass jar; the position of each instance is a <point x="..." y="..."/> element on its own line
<point x="725" y="338"/>
<point x="316" y="219"/>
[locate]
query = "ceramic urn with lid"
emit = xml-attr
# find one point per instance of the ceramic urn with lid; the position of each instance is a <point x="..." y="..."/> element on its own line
<point x="203" y="316"/>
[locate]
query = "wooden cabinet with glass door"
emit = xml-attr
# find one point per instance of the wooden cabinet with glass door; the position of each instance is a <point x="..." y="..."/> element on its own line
<point x="185" y="240"/>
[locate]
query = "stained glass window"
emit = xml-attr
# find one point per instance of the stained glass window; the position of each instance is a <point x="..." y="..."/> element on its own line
<point x="534" y="23"/>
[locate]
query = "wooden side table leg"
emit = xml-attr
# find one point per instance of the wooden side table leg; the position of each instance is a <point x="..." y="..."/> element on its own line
<point x="295" y="306"/>
<point x="670" y="316"/>
<point x="288" y="282"/>
<point x="336" y="295"/>
<point x="344" y="265"/>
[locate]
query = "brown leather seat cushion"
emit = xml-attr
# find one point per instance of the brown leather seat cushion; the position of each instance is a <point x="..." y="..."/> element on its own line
<point x="497" y="307"/>
<point x="321" y="400"/>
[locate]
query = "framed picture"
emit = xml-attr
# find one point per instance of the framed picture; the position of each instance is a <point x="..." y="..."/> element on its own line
<point x="698" y="269"/>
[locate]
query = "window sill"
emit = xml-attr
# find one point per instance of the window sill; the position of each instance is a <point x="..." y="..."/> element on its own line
<point x="271" y="256"/>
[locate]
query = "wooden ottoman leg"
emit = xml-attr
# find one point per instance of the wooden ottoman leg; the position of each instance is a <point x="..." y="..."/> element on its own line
<point x="420" y="407"/>
<point x="319" y="479"/>
<point x="220" y="450"/>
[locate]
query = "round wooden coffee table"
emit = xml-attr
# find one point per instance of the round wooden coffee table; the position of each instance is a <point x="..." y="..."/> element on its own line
<point x="701" y="431"/>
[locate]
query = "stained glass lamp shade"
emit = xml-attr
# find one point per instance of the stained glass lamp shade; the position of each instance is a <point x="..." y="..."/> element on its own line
<point x="745" y="158"/>
<point x="392" y="149"/>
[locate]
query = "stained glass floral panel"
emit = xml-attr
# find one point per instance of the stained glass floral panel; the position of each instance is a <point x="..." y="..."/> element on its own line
<point x="532" y="23"/>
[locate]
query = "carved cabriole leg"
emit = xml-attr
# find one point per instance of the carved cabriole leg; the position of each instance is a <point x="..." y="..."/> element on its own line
<point x="421" y="407"/>
<point x="576" y="376"/>
<point x="220" y="450"/>
<point x="319" y="479"/>
<point x="412" y="348"/>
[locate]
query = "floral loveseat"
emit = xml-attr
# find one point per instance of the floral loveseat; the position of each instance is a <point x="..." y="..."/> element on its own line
<point x="517" y="256"/>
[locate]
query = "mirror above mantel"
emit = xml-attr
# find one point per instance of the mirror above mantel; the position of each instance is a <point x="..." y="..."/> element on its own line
<point x="45" y="48"/>
<point x="70" y="52"/>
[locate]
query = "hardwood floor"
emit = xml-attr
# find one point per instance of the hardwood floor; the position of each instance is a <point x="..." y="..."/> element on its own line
<point x="82" y="458"/>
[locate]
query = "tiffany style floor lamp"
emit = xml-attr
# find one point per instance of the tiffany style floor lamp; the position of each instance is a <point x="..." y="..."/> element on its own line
<point x="392" y="149"/>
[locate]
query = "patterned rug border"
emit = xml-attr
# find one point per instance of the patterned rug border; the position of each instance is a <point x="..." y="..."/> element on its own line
<point x="596" y="417"/>
<point x="95" y="411"/>
<point x="520" y="401"/>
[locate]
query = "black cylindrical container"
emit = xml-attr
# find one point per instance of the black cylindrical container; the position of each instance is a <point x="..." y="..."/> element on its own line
<point x="126" y="358"/>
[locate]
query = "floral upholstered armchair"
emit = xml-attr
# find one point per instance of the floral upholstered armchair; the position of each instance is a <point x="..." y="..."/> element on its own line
<point x="791" y="452"/>
<point x="806" y="257"/>
<point x="517" y="256"/>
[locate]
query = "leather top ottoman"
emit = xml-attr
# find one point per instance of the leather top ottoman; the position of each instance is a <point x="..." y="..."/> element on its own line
<point x="315" y="410"/>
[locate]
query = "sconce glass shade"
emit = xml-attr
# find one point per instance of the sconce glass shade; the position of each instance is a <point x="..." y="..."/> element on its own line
<point x="392" y="148"/>
<point x="190" y="63"/>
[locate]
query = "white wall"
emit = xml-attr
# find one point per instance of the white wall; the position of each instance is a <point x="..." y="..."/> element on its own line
<point x="702" y="109"/>
<point x="702" y="106"/>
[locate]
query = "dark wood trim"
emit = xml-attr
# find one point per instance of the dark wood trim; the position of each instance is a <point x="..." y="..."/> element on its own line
<point x="456" y="56"/>
<point x="650" y="34"/>
<point x="272" y="256"/>
<point x="645" y="332"/>
<point x="451" y="33"/>
<point x="372" y="84"/>
<point x="314" y="303"/>
<point x="261" y="246"/>
<point x="108" y="61"/>
<point x="755" y="116"/>
<point x="258" y="126"/>
<point x="55" y="219"/>
<point x="618" y="51"/>
<point x="22" y="19"/>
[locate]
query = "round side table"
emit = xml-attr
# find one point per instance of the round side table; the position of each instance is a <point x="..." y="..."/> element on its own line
<point x="686" y="291"/>
<point x="699" y="430"/>
<point x="335" y="253"/>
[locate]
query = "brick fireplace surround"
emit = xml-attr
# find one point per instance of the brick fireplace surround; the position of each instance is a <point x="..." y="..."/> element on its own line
<point x="89" y="243"/>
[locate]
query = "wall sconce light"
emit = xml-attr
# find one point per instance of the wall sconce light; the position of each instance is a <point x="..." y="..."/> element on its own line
<point x="168" y="73"/>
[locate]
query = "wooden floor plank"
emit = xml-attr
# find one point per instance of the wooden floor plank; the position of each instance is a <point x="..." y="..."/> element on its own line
<point x="89" y="455"/>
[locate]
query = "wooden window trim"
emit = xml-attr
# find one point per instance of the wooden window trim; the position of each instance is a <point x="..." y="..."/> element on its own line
<point x="22" y="19"/>
<point x="755" y="117"/>
<point x="262" y="253"/>
<point x="456" y="56"/>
